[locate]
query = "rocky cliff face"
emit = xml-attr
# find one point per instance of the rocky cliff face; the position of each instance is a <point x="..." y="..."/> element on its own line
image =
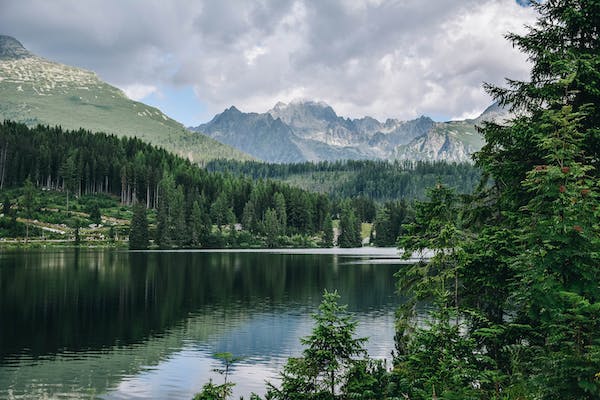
<point x="257" y="134"/>
<point x="312" y="131"/>
<point x="12" y="49"/>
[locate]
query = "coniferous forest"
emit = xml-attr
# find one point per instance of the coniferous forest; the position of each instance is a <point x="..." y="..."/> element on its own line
<point x="187" y="200"/>
<point x="377" y="180"/>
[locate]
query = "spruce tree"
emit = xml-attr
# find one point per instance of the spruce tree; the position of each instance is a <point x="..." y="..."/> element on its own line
<point x="138" y="232"/>
<point x="349" y="227"/>
<point x="327" y="240"/>
<point x="525" y="263"/>
<point x="272" y="227"/>
<point x="331" y="351"/>
<point x="279" y="202"/>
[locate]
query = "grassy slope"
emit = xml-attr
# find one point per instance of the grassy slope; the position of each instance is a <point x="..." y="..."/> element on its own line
<point x="34" y="90"/>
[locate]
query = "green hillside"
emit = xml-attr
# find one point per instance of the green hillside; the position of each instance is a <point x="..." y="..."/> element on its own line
<point x="37" y="91"/>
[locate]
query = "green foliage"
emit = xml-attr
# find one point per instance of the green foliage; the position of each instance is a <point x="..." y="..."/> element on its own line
<point x="516" y="263"/>
<point x="350" y="228"/>
<point x="29" y="198"/>
<point x="6" y="205"/>
<point x="138" y="233"/>
<point x="327" y="240"/>
<point x="94" y="212"/>
<point x="210" y="391"/>
<point x="329" y="357"/>
<point x="363" y="179"/>
<point x="272" y="227"/>
<point x="389" y="222"/>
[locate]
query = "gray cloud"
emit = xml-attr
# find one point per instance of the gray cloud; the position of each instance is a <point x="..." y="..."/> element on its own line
<point x="384" y="58"/>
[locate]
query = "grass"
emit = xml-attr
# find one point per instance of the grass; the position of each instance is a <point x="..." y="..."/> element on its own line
<point x="51" y="224"/>
<point x="41" y="92"/>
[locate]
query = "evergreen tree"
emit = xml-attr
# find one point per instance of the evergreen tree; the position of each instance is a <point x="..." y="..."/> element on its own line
<point x="95" y="215"/>
<point x="69" y="174"/>
<point x="271" y="227"/>
<point x="279" y="201"/>
<point x="221" y="212"/>
<point x="327" y="240"/>
<point x="6" y="206"/>
<point x="198" y="226"/>
<point x="521" y="276"/>
<point x="138" y="232"/>
<point x="249" y="216"/>
<point x="389" y="222"/>
<point x="29" y="200"/>
<point x="164" y="213"/>
<point x="330" y="354"/>
<point x="178" y="226"/>
<point x="350" y="230"/>
<point x="545" y="168"/>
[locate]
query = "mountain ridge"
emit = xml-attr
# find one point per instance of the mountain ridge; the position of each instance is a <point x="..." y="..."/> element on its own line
<point x="315" y="132"/>
<point x="34" y="90"/>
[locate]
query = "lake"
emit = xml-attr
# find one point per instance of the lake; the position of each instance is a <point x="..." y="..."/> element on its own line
<point x="115" y="324"/>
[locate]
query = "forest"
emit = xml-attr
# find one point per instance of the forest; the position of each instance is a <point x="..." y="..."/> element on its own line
<point x="377" y="180"/>
<point x="174" y="202"/>
<point x="186" y="199"/>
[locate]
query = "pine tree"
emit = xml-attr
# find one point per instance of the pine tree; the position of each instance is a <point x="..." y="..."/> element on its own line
<point x="249" y="216"/>
<point x="6" y="205"/>
<point x="518" y="265"/>
<point x="327" y="240"/>
<point x="197" y="226"/>
<point x="164" y="219"/>
<point x="95" y="215"/>
<point x="330" y="354"/>
<point x="138" y="232"/>
<point x="29" y="201"/>
<point x="271" y="227"/>
<point x="350" y="230"/>
<point x="279" y="202"/>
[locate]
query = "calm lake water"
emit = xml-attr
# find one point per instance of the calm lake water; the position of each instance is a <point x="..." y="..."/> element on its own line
<point x="115" y="325"/>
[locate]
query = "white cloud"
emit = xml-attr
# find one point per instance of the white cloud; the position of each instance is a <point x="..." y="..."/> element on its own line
<point x="138" y="91"/>
<point x="253" y="53"/>
<point x="364" y="57"/>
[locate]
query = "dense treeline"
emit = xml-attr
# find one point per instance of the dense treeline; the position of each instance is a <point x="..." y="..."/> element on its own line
<point x="378" y="180"/>
<point x="188" y="199"/>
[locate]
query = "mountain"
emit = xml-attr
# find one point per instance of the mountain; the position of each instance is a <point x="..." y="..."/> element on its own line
<point x="312" y="131"/>
<point x="266" y="138"/>
<point x="269" y="137"/>
<point x="34" y="90"/>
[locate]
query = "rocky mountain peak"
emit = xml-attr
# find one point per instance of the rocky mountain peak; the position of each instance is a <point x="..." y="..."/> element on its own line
<point x="304" y="114"/>
<point x="12" y="49"/>
<point x="280" y="105"/>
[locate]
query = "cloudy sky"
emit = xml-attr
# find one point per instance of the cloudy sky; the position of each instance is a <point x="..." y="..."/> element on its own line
<point x="192" y="58"/>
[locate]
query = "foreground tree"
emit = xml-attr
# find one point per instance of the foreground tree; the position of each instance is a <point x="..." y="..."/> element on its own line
<point x="545" y="168"/>
<point x="331" y="353"/>
<point x="525" y="290"/>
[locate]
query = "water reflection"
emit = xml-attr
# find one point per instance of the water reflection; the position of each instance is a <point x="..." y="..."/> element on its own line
<point x="120" y="325"/>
